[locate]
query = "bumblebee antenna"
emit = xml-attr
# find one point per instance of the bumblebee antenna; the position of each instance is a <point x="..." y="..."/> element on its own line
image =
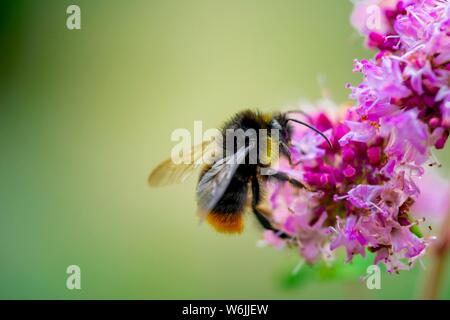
<point x="312" y="128"/>
<point x="303" y="113"/>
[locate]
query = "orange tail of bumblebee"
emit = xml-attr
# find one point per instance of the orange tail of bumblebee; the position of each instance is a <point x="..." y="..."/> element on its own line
<point x="226" y="223"/>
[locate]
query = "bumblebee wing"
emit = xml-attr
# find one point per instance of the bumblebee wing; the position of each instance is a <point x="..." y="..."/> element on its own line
<point x="168" y="172"/>
<point x="215" y="181"/>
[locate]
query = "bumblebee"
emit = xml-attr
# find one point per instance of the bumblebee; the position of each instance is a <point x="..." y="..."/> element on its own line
<point x="235" y="174"/>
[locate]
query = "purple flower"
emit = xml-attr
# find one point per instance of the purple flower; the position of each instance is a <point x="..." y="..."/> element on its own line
<point x="365" y="193"/>
<point x="359" y="131"/>
<point x="272" y="239"/>
<point x="414" y="74"/>
<point x="363" y="196"/>
<point x="349" y="237"/>
<point x="408" y="137"/>
<point x="306" y="146"/>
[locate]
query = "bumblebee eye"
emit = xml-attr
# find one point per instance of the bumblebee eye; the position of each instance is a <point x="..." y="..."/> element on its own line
<point x="275" y="124"/>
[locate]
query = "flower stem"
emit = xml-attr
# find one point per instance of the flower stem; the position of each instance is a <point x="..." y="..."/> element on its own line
<point x="439" y="256"/>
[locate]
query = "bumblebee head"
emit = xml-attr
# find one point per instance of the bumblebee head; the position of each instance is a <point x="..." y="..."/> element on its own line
<point x="281" y="122"/>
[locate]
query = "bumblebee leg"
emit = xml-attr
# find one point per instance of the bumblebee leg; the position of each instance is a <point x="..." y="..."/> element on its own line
<point x="262" y="219"/>
<point x="283" y="177"/>
<point x="265" y="223"/>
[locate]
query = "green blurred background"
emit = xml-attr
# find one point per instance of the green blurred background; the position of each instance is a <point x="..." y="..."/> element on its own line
<point x="86" y="114"/>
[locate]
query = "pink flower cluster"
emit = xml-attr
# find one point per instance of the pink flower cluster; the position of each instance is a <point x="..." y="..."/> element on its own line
<point x="411" y="70"/>
<point x="362" y="189"/>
